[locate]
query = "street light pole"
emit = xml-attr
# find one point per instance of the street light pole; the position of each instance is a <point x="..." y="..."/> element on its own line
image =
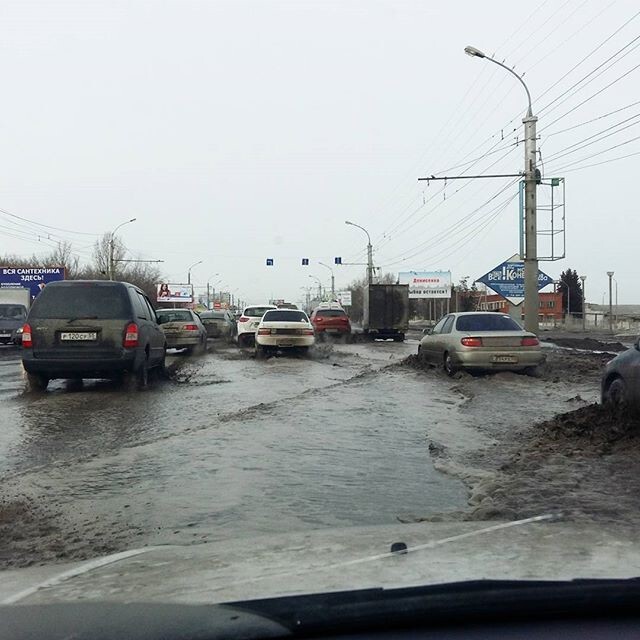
<point x="319" y="286"/>
<point x="584" y="304"/>
<point x="208" y="294"/>
<point x="369" y="252"/>
<point x="195" y="264"/>
<point x="610" y="274"/>
<point x="110" y="258"/>
<point x="531" y="296"/>
<point x="333" y="280"/>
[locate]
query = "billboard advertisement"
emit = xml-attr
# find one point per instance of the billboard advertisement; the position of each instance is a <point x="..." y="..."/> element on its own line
<point x="168" y="292"/>
<point x="427" y="284"/>
<point x="507" y="280"/>
<point x="344" y="298"/>
<point x="32" y="278"/>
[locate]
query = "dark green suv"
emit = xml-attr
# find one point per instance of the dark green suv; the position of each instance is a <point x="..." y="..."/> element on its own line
<point x="91" y="329"/>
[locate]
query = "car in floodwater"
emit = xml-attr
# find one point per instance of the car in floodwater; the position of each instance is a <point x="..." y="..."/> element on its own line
<point x="284" y="329"/>
<point x="480" y="341"/>
<point x="183" y="329"/>
<point x="620" y="381"/>
<point x="91" y="329"/>
<point x="248" y="323"/>
<point x="219" y="323"/>
<point x="330" y="319"/>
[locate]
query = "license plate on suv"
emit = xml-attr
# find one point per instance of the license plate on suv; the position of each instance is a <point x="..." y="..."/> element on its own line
<point x="75" y="336"/>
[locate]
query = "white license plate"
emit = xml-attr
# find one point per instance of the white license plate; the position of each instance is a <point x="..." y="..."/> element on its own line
<point x="509" y="359"/>
<point x="78" y="335"/>
<point x="4" y="334"/>
<point x="285" y="343"/>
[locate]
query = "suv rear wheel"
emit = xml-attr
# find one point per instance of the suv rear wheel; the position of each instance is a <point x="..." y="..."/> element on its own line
<point x="37" y="382"/>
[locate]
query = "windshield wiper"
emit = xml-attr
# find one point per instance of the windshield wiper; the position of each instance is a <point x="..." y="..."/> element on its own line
<point x="82" y="318"/>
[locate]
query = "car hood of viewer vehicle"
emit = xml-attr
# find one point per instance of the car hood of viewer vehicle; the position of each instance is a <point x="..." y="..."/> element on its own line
<point x="334" y="560"/>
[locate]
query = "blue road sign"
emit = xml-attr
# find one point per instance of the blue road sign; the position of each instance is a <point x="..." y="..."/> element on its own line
<point x="269" y="262"/>
<point x="32" y="278"/>
<point x="507" y="279"/>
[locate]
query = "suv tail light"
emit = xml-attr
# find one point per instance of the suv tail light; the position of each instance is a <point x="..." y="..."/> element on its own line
<point x="27" y="340"/>
<point x="264" y="332"/>
<point x="243" y="319"/>
<point x="530" y="341"/>
<point x="130" y="336"/>
<point x="190" y="327"/>
<point x="471" y="342"/>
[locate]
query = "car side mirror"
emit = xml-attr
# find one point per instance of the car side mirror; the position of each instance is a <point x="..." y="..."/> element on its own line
<point x="427" y="332"/>
<point x="636" y="344"/>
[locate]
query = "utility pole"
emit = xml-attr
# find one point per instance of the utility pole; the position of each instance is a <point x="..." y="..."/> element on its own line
<point x="584" y="304"/>
<point x="610" y="274"/>
<point x="110" y="256"/>
<point x="195" y="264"/>
<point x="369" y="252"/>
<point x="531" y="296"/>
<point x="333" y="281"/>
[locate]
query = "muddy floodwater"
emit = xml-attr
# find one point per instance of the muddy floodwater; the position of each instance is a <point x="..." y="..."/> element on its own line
<point x="230" y="446"/>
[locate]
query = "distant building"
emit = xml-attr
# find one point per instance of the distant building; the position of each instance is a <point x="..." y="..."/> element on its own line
<point x="550" y="305"/>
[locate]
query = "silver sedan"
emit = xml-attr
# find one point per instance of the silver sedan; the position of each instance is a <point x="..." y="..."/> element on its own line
<point x="480" y="340"/>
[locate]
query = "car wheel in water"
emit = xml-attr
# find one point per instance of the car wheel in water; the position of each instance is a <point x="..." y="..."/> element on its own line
<point x="448" y="366"/>
<point x="617" y="397"/>
<point x="37" y="382"/>
<point x="261" y="352"/>
<point x="304" y="351"/>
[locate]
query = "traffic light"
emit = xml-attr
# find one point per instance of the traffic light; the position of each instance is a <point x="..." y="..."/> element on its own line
<point x="305" y="262"/>
<point x="269" y="262"/>
<point x="337" y="260"/>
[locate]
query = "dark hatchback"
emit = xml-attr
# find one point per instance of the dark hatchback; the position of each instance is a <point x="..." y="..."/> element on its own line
<point x="91" y="329"/>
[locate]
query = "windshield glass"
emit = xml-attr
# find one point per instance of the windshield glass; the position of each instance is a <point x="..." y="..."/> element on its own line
<point x="12" y="312"/>
<point x="395" y="285"/>
<point x="282" y="315"/>
<point x="173" y="315"/>
<point x="487" y="322"/>
<point x="330" y="313"/>
<point x="91" y="301"/>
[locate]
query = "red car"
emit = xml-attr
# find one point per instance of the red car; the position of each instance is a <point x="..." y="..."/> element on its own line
<point x="331" y="320"/>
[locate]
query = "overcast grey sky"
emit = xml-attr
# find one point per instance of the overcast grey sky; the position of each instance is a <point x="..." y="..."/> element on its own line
<point x="236" y="131"/>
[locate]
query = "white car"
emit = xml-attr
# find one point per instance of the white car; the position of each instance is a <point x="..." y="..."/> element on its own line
<point x="284" y="329"/>
<point x="248" y="323"/>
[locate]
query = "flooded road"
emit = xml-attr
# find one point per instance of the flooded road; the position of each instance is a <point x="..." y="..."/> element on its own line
<point x="229" y="447"/>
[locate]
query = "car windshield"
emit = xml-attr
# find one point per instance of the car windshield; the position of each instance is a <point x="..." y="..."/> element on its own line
<point x="330" y="313"/>
<point x="487" y="322"/>
<point x="173" y="315"/>
<point x="90" y="301"/>
<point x="12" y="312"/>
<point x="306" y="279"/>
<point x="285" y="315"/>
<point x="256" y="312"/>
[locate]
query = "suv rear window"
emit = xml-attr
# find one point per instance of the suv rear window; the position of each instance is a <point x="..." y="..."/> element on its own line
<point x="330" y="313"/>
<point x="82" y="301"/>
<point x="487" y="322"/>
<point x="256" y="312"/>
<point x="283" y="315"/>
<point x="174" y="315"/>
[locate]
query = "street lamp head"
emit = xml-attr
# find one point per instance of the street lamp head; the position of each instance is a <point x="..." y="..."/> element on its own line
<point x="583" y="278"/>
<point x="348" y="222"/>
<point x="610" y="273"/>
<point x="473" y="52"/>
<point x="133" y="219"/>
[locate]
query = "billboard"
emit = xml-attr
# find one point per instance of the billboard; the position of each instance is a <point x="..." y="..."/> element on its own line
<point x="168" y="292"/>
<point x="507" y="280"/>
<point x="32" y="278"/>
<point x="427" y="284"/>
<point x="344" y="298"/>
